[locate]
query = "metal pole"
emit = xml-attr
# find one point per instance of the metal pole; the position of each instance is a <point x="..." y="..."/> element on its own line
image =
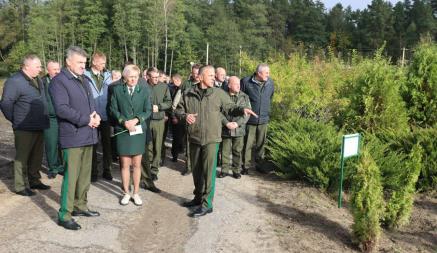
<point x="207" y="52"/>
<point x="340" y="189"/>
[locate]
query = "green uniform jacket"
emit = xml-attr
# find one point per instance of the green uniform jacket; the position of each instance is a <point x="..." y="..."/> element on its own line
<point x="124" y="107"/>
<point x="242" y="100"/>
<point x="51" y="110"/>
<point x="207" y="128"/>
<point x="188" y="84"/>
<point x="160" y="95"/>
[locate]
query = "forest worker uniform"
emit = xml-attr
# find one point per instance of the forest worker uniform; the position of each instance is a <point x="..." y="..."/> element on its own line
<point x="53" y="152"/>
<point x="160" y="96"/>
<point x="204" y="138"/>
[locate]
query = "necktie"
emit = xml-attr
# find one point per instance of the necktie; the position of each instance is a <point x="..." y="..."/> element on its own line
<point x="131" y="91"/>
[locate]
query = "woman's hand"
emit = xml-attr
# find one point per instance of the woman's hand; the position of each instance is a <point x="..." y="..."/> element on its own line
<point x="130" y="124"/>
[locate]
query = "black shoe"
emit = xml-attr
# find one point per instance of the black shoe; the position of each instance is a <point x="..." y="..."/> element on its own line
<point x="152" y="189"/>
<point x="61" y="173"/>
<point x="70" y="224"/>
<point x="86" y="213"/>
<point x="236" y="175"/>
<point x="52" y="175"/>
<point x="174" y="159"/>
<point x="26" y="192"/>
<point x="185" y="173"/>
<point x="245" y="171"/>
<point x="154" y="177"/>
<point x="94" y="178"/>
<point x="191" y="203"/>
<point x="40" y="186"/>
<point x="107" y="176"/>
<point x="161" y="163"/>
<point x="222" y="174"/>
<point x="201" y="211"/>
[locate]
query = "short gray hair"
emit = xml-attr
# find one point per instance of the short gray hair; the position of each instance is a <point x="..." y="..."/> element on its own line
<point x="203" y="68"/>
<point x="72" y="50"/>
<point x="130" y="68"/>
<point x="262" y="66"/>
<point x="27" y="58"/>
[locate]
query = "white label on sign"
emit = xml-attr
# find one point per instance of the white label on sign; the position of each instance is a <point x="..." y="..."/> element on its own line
<point x="351" y="145"/>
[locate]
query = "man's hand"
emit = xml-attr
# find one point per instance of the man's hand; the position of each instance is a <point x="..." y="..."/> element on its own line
<point x="94" y="120"/>
<point x="155" y="108"/>
<point x="130" y="124"/>
<point x="191" y="118"/>
<point x="231" y="125"/>
<point x="248" y="111"/>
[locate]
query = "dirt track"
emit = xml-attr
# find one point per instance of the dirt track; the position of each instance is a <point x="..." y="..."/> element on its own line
<point x="259" y="213"/>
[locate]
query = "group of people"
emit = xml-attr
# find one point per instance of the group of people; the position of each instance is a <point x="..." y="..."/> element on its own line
<point x="72" y="109"/>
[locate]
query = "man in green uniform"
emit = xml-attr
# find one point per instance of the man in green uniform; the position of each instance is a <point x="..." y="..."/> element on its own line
<point x="190" y="83"/>
<point x="53" y="153"/>
<point x="201" y="108"/>
<point x="234" y="128"/>
<point x="161" y="101"/>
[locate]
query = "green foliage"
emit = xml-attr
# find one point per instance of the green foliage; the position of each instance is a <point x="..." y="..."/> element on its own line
<point x="16" y="56"/>
<point x="304" y="149"/>
<point x="400" y="204"/>
<point x="367" y="203"/>
<point x="420" y="92"/>
<point x="372" y="99"/>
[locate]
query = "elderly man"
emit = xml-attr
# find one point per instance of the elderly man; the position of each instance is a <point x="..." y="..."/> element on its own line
<point x="233" y="131"/>
<point x="177" y="126"/>
<point x="78" y="121"/>
<point x="201" y="108"/>
<point x="24" y="105"/>
<point x="53" y="153"/>
<point x="260" y="88"/>
<point x="220" y="78"/>
<point x="100" y="79"/>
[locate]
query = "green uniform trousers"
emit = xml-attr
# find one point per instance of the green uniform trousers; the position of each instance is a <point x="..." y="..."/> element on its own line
<point x="204" y="162"/>
<point x="76" y="183"/>
<point x="28" y="158"/>
<point x="104" y="131"/>
<point x="164" y="137"/>
<point x="155" y="144"/>
<point x="53" y="152"/>
<point x="146" y="173"/>
<point x="255" y="139"/>
<point x="234" y="146"/>
<point x="187" y="150"/>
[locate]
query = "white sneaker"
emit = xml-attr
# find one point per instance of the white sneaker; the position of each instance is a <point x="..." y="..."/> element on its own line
<point x="137" y="199"/>
<point x="125" y="200"/>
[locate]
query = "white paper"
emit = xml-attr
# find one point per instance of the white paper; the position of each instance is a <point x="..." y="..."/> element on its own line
<point x="351" y="145"/>
<point x="138" y="130"/>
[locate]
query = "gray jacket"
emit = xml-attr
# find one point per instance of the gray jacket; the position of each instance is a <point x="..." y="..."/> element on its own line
<point x="24" y="104"/>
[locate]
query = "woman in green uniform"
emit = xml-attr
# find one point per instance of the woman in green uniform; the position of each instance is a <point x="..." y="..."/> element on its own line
<point x="130" y="107"/>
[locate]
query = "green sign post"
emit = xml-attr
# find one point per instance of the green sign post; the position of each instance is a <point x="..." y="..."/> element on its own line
<point x="350" y="147"/>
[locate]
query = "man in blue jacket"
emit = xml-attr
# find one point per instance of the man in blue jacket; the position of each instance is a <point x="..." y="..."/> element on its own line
<point x="260" y="88"/>
<point x="99" y="81"/>
<point x="78" y="122"/>
<point x="24" y="105"/>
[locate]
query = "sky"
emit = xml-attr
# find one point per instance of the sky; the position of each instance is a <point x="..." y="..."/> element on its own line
<point x="355" y="4"/>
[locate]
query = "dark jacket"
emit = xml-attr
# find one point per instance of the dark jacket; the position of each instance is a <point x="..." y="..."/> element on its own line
<point x="73" y="103"/>
<point x="209" y="107"/>
<point x="125" y="107"/>
<point x="241" y="100"/>
<point x="24" y="104"/>
<point x="160" y="97"/>
<point x="260" y="96"/>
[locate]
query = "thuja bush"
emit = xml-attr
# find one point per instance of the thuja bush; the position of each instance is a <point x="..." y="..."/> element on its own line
<point x="371" y="97"/>
<point x="420" y="91"/>
<point x="367" y="203"/>
<point x="400" y="203"/>
<point x="304" y="149"/>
